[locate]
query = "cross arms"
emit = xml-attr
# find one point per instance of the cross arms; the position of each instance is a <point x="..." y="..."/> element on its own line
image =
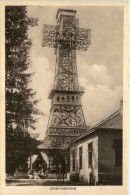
<point x="83" y="37"/>
<point x="49" y="36"/>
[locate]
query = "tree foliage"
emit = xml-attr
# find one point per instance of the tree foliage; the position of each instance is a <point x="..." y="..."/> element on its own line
<point x="20" y="103"/>
<point x="59" y="150"/>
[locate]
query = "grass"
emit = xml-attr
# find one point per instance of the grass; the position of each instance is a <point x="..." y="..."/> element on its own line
<point x="42" y="182"/>
<point x="61" y="183"/>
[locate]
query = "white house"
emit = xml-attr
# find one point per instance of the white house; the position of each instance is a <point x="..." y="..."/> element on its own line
<point x="97" y="155"/>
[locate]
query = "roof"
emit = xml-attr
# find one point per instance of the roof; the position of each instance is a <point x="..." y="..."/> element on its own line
<point x="65" y="10"/>
<point x="45" y="144"/>
<point x="114" y="121"/>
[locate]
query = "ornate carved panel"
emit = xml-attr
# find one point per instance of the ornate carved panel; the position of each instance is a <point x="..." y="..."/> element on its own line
<point x="66" y="77"/>
<point x="67" y="116"/>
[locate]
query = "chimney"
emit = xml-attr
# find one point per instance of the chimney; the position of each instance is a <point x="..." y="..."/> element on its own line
<point x="121" y="107"/>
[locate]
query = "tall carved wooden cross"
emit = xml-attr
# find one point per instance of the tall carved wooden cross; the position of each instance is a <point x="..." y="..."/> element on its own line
<point x="66" y="116"/>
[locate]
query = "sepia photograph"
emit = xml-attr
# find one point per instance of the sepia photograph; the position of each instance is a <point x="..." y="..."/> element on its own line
<point x="64" y="96"/>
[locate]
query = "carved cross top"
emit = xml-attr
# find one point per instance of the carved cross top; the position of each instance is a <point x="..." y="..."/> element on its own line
<point x="66" y="34"/>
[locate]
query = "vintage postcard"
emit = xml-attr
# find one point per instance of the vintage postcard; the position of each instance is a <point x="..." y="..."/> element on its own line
<point x="64" y="97"/>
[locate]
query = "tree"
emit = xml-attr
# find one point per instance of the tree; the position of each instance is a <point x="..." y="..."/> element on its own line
<point x="60" y="152"/>
<point x="20" y="103"/>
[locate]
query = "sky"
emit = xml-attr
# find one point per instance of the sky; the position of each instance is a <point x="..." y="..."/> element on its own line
<point x="99" y="68"/>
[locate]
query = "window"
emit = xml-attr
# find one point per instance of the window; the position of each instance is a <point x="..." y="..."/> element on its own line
<point x="63" y="99"/>
<point x="73" y="160"/>
<point x="77" y="97"/>
<point x="80" y="157"/>
<point x="58" y="98"/>
<point x="72" y="98"/>
<point x="90" y="153"/>
<point x="118" y="152"/>
<point x="68" y="98"/>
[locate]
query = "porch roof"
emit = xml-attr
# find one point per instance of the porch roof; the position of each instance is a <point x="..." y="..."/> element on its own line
<point x="45" y="145"/>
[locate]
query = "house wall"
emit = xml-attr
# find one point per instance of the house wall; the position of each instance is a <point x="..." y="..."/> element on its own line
<point x="106" y="152"/>
<point x="84" y="173"/>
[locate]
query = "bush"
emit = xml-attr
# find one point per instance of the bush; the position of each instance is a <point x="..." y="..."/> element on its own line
<point x="74" y="177"/>
<point x="83" y="180"/>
